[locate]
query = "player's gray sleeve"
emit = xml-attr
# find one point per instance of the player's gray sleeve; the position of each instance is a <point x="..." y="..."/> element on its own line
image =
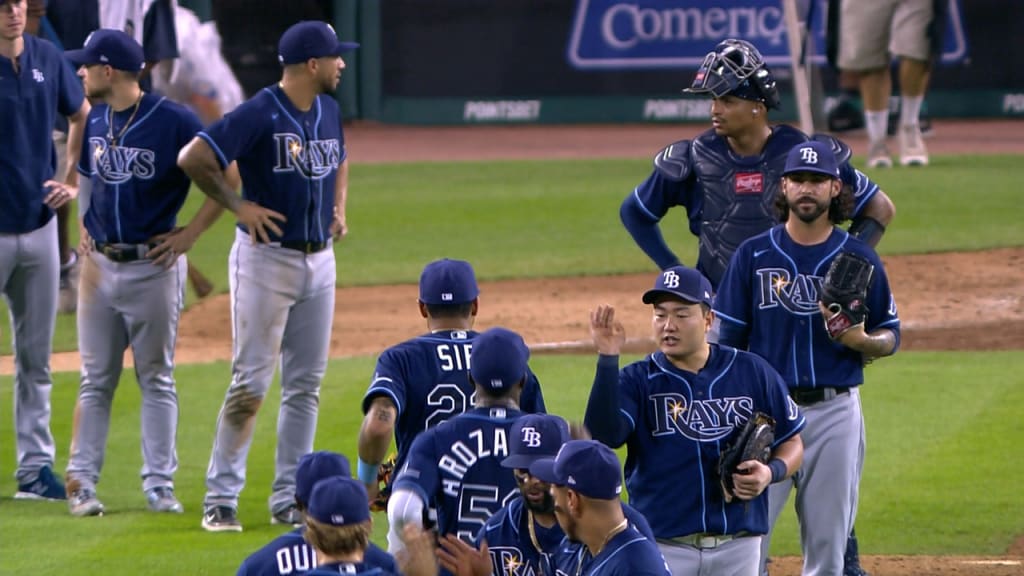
<point x="84" y="195"/>
<point x="404" y="507"/>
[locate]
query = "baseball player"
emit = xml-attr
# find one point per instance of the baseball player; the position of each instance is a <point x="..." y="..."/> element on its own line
<point x="134" y="266"/>
<point x="768" y="303"/>
<point x="524" y="537"/>
<point x="424" y="381"/>
<point x="35" y="85"/>
<point x="727" y="178"/>
<point x="290" y="149"/>
<point x="338" y="528"/>
<point x="586" y="484"/>
<point x="458" y="463"/>
<point x="289" y="553"/>
<point x="676" y="410"/>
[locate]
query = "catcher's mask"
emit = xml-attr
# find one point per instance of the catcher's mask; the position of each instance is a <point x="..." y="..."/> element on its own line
<point x="736" y="67"/>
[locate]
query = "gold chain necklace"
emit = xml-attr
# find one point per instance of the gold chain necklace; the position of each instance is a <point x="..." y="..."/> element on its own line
<point x="533" y="532"/>
<point x="611" y="533"/>
<point x="110" y="123"/>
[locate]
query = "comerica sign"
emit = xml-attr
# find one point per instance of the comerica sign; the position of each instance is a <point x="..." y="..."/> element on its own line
<point x="619" y="34"/>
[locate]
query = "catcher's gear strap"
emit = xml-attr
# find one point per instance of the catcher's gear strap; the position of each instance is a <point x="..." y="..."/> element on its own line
<point x="867" y="230"/>
<point x="674" y="162"/>
<point x="839" y="148"/>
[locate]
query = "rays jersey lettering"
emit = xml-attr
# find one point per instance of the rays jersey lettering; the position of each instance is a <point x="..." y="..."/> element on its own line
<point x="700" y="420"/>
<point x="313" y="159"/>
<point x="464" y="454"/>
<point x="508" y="561"/>
<point x="797" y="294"/>
<point x="118" y="164"/>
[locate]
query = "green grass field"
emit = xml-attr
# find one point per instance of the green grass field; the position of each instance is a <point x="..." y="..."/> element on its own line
<point x="943" y="428"/>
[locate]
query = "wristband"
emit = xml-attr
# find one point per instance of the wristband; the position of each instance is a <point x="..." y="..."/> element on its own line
<point x="778" y="468"/>
<point x="367" y="473"/>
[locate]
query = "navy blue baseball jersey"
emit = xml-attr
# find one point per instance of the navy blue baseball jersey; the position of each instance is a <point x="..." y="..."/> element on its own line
<point x="728" y="198"/>
<point x="457" y="465"/>
<point x="514" y="552"/>
<point x="137" y="186"/>
<point x="30" y="100"/>
<point x="772" y="288"/>
<point x="290" y="554"/>
<point x="628" y="553"/>
<point x="304" y="150"/>
<point x="350" y="568"/>
<point x="680" y="422"/>
<point x="427" y="378"/>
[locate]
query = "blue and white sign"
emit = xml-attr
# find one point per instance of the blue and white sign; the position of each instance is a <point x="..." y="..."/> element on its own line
<point x="640" y="34"/>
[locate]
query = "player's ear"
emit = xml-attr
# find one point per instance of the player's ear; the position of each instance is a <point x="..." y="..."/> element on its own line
<point x="476" y="306"/>
<point x="423" y="309"/>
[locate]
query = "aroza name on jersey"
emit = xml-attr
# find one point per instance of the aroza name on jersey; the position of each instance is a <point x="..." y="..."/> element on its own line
<point x="464" y="454"/>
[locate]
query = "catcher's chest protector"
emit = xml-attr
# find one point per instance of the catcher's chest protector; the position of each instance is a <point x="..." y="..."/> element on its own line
<point x="739" y="194"/>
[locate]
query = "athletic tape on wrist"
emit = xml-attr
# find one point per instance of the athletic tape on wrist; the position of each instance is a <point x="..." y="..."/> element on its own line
<point x="367" y="473"/>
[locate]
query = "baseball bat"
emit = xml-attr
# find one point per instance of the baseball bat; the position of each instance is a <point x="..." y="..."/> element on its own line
<point x="199" y="282"/>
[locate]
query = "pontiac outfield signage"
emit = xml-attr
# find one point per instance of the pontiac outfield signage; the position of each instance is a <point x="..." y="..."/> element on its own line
<point x="624" y="34"/>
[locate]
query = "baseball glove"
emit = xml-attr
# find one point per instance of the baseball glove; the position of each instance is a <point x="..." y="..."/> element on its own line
<point x="384" y="473"/>
<point x="844" y="292"/>
<point x="754" y="442"/>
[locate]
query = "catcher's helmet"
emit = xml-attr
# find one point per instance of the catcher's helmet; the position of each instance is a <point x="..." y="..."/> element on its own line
<point x="736" y="67"/>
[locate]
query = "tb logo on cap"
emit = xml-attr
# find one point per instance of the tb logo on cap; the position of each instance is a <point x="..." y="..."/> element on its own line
<point x="808" y="155"/>
<point x="670" y="279"/>
<point x="531" y="437"/>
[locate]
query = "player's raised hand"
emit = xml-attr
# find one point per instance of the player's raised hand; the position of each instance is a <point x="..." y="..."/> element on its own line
<point x="417" y="558"/>
<point x="59" y="194"/>
<point x="170" y="245"/>
<point x="259" y="221"/>
<point x="609" y="335"/>
<point x="462" y="559"/>
<point x="751" y="479"/>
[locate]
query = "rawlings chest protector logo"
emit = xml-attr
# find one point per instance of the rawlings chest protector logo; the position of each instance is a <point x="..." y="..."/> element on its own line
<point x="749" y="183"/>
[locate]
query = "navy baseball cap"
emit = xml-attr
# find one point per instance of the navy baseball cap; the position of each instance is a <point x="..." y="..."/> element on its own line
<point x="681" y="282"/>
<point x="498" y="359"/>
<point x="533" y="437"/>
<point x="316" y="466"/>
<point x="586" y="466"/>
<point x="310" y="39"/>
<point x="448" y="282"/>
<point x="339" y="501"/>
<point x="111" y="47"/>
<point x="812" y="156"/>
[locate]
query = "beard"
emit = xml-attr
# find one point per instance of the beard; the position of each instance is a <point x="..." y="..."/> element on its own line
<point x="809" y="211"/>
<point x="545" y="506"/>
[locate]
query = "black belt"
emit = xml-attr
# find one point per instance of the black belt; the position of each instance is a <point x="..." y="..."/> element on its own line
<point x="124" y="252"/>
<point x="306" y="247"/>
<point x="808" y="396"/>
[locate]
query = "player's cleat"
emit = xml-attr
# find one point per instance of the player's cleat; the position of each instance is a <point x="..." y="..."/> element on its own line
<point x="46" y="486"/>
<point x="221" y="519"/>
<point x="912" y="149"/>
<point x="878" y="156"/>
<point x="67" y="302"/>
<point x="161" y="499"/>
<point x="83" y="502"/>
<point x="289" y="515"/>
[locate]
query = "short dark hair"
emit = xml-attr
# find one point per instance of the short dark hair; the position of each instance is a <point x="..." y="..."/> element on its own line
<point x="450" y="310"/>
<point x="839" y="210"/>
